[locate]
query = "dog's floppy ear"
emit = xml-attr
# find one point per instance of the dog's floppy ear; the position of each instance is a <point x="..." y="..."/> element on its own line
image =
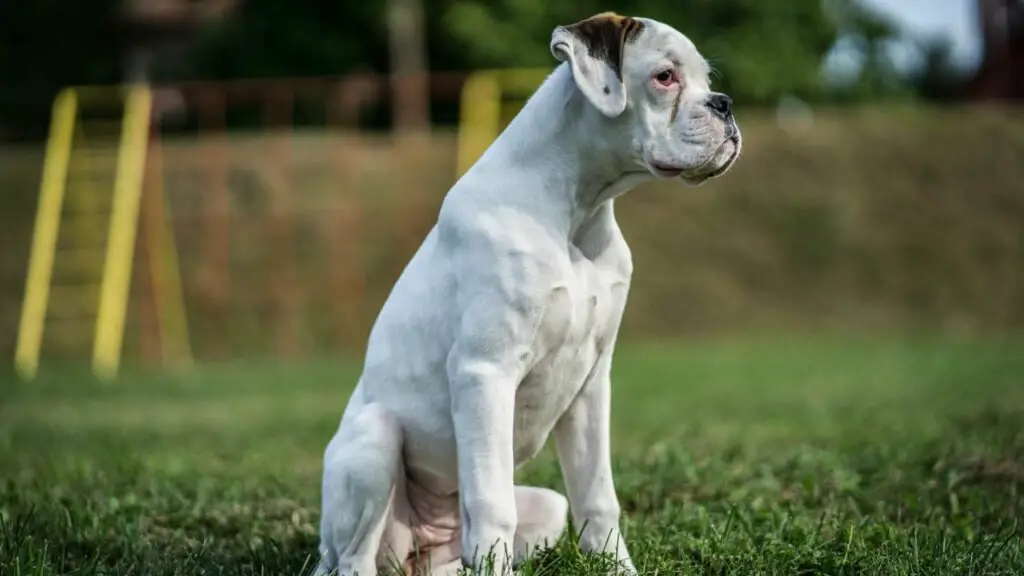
<point x="594" y="48"/>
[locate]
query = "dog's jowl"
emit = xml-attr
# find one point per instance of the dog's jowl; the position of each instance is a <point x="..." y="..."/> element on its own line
<point x="501" y="329"/>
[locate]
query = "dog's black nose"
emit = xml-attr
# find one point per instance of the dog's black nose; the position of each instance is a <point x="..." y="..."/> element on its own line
<point x="720" y="104"/>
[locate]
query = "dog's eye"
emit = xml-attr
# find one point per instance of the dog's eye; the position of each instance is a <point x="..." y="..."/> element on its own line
<point x="666" y="78"/>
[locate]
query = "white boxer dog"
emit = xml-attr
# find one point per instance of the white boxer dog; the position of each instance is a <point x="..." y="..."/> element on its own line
<point x="501" y="328"/>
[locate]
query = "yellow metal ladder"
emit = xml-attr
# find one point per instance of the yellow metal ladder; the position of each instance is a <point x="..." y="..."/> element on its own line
<point x="83" y="244"/>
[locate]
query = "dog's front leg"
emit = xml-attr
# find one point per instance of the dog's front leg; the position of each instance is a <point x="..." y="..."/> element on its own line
<point x="584" y="452"/>
<point x="483" y="404"/>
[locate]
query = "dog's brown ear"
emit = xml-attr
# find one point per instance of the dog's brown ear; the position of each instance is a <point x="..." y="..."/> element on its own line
<point x="594" y="49"/>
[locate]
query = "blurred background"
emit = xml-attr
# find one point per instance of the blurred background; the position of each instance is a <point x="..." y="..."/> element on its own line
<point x="296" y="153"/>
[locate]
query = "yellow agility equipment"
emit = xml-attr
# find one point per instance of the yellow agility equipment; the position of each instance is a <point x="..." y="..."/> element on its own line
<point x="480" y="113"/>
<point x="95" y="188"/>
<point x="44" y="235"/>
<point x="124" y="218"/>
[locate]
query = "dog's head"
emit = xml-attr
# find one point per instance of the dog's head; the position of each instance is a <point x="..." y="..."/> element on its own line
<point x="649" y="79"/>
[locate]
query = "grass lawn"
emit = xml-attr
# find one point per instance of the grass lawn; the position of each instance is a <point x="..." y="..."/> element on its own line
<point x="799" y="456"/>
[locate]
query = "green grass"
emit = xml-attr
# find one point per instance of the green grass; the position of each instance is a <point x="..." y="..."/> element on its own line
<point x="797" y="456"/>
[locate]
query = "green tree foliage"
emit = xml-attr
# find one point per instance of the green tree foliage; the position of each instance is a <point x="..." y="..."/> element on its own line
<point x="46" y="45"/>
<point x="271" y="38"/>
<point x="761" y="50"/>
<point x="758" y="49"/>
<point x="937" y="79"/>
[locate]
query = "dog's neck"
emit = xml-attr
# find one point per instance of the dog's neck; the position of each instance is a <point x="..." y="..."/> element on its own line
<point x="560" y="138"/>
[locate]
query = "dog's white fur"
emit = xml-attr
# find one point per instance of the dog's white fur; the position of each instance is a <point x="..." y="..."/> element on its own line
<point x="501" y="328"/>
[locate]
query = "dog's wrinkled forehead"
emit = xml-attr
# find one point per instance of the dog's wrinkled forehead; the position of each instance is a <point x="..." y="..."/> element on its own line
<point x="660" y="40"/>
<point x="612" y="55"/>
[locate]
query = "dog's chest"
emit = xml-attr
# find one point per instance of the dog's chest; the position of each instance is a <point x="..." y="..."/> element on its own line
<point x="574" y="331"/>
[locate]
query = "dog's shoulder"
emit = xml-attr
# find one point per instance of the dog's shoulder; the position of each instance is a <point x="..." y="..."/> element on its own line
<point x="504" y="258"/>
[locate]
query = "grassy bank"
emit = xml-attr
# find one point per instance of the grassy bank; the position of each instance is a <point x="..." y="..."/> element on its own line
<point x="867" y="219"/>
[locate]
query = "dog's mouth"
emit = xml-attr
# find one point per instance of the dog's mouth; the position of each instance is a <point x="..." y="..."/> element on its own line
<point x="701" y="172"/>
<point x="665" y="170"/>
<point x="702" y="177"/>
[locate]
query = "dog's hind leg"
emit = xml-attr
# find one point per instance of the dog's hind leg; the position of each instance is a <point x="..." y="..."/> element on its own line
<point x="542" y="518"/>
<point x="361" y="465"/>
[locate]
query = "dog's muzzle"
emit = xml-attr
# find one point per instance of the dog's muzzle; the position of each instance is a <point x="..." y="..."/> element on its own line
<point x="723" y="156"/>
<point x="728" y="150"/>
<point x="721" y="106"/>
